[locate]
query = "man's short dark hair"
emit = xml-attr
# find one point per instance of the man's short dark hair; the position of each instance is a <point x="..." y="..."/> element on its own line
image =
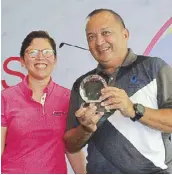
<point x="37" y="34"/>
<point x="94" y="12"/>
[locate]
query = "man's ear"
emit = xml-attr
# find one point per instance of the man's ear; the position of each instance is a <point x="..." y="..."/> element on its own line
<point x="126" y="34"/>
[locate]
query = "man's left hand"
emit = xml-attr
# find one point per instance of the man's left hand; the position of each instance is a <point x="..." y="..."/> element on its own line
<point x="115" y="98"/>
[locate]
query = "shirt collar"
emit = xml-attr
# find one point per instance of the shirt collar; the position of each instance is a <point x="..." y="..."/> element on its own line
<point x="130" y="58"/>
<point x="26" y="90"/>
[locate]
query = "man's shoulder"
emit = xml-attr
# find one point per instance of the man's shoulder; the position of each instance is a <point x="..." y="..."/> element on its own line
<point x="150" y="62"/>
<point x="150" y="59"/>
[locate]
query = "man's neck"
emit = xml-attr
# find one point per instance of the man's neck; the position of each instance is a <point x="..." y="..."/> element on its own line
<point x="38" y="85"/>
<point x="115" y="64"/>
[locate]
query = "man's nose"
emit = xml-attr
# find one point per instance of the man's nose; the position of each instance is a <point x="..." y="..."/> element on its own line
<point x="99" y="40"/>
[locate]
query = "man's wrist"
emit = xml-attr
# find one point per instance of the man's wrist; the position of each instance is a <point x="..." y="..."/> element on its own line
<point x="86" y="129"/>
<point x="132" y="112"/>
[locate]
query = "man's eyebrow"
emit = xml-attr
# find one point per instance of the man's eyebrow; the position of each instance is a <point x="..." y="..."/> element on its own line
<point x="105" y="28"/>
<point x="102" y="29"/>
<point x="90" y="33"/>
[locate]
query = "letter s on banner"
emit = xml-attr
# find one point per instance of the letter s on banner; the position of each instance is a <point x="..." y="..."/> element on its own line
<point x="9" y="71"/>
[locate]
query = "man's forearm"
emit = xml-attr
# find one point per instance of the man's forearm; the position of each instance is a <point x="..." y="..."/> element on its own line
<point x="75" y="138"/>
<point x="158" y="119"/>
<point x="77" y="161"/>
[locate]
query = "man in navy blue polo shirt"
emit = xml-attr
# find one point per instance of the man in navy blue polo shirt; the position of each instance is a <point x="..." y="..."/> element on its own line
<point x="136" y="137"/>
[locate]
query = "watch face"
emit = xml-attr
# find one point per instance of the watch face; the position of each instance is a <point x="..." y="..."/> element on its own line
<point x="140" y="109"/>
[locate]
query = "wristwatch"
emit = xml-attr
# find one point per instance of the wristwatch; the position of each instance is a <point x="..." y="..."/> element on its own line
<point x="139" y="111"/>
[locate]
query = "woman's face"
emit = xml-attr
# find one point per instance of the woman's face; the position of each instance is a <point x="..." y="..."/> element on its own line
<point x="39" y="59"/>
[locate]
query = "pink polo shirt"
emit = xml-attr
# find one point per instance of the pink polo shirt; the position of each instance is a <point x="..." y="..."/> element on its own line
<point x="34" y="141"/>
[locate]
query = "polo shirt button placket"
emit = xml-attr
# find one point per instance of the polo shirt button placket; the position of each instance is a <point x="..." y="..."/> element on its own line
<point x="110" y="80"/>
<point x="43" y="98"/>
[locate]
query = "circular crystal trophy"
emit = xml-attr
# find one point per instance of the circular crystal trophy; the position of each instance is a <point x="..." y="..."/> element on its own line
<point x="90" y="91"/>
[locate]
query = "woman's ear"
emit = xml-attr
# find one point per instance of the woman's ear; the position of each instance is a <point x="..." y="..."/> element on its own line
<point x="22" y="62"/>
<point x="55" y="61"/>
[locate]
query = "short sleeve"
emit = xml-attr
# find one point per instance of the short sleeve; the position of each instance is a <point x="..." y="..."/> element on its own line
<point x="164" y="86"/>
<point x="72" y="121"/>
<point x="3" y="112"/>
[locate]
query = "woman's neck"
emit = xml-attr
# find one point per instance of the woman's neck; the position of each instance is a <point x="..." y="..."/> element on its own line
<point x="38" y="85"/>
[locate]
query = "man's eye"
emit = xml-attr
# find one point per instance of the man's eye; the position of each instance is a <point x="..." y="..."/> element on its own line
<point x="91" y="37"/>
<point x="106" y="33"/>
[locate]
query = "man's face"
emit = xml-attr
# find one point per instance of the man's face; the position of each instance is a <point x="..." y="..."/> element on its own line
<point x="107" y="38"/>
<point x="39" y="59"/>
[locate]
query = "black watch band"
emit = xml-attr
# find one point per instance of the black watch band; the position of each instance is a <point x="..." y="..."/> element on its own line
<point x="139" y="111"/>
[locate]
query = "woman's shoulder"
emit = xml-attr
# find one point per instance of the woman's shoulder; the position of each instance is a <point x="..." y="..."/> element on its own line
<point x="59" y="89"/>
<point x="10" y="91"/>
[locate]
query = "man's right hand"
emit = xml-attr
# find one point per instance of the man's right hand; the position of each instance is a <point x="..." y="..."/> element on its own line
<point x="88" y="117"/>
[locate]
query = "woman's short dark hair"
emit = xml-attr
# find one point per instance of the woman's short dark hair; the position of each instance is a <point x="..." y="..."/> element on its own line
<point x="37" y="34"/>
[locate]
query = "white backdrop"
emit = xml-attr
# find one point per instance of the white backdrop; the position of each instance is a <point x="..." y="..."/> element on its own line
<point x="149" y="23"/>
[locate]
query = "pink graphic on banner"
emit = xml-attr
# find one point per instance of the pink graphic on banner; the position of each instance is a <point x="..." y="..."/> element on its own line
<point x="161" y="44"/>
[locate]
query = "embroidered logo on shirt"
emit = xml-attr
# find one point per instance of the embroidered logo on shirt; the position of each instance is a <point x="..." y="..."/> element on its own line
<point x="59" y="113"/>
<point x="136" y="82"/>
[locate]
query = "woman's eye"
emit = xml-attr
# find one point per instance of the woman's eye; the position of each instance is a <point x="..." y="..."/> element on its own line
<point x="33" y="53"/>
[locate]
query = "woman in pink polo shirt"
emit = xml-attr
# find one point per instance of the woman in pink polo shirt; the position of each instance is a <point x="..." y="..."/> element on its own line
<point x="33" y="115"/>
